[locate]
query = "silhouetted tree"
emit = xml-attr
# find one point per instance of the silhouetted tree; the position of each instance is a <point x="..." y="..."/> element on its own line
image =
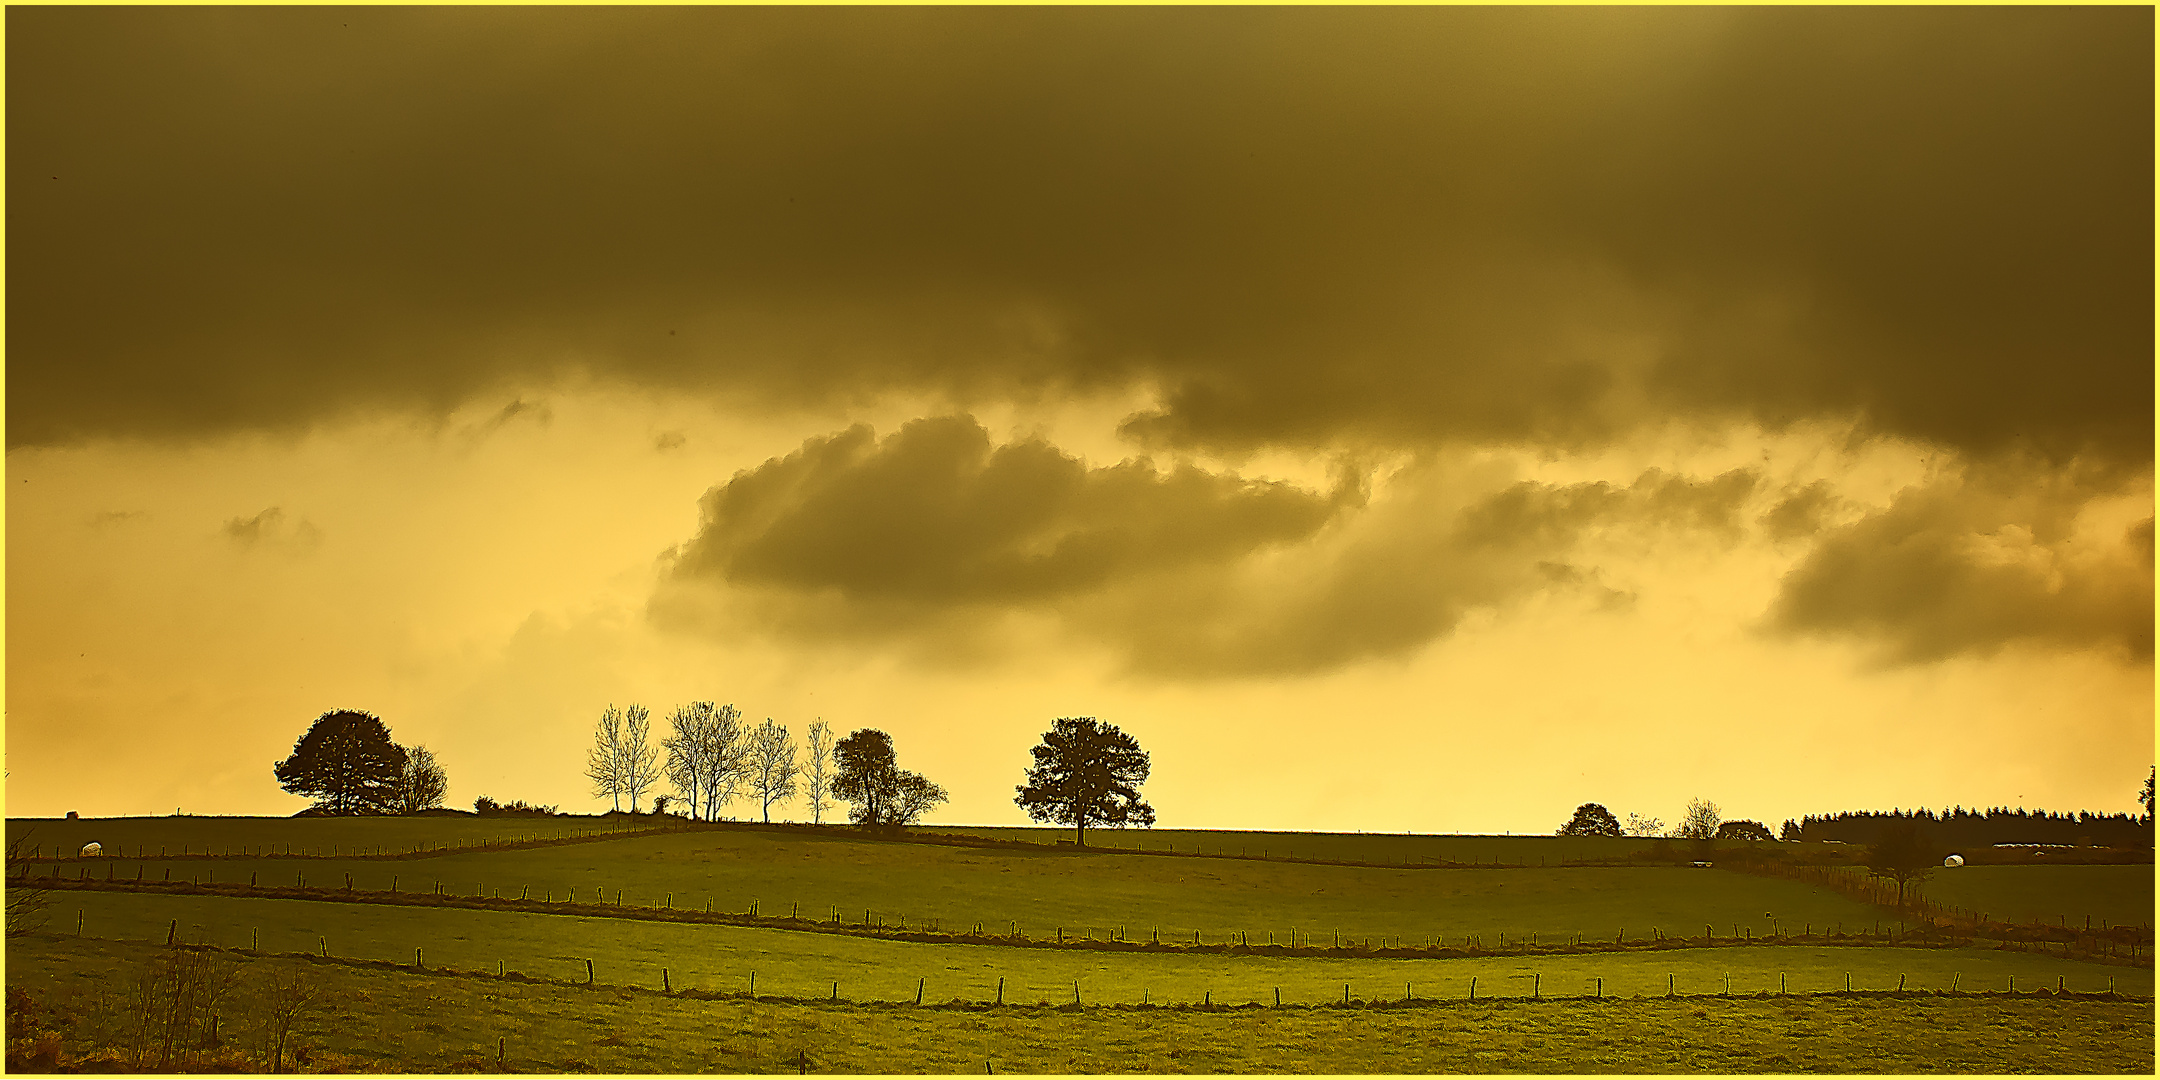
<point x="346" y="763"/>
<point x="1901" y="854"/>
<point x="1743" y="830"/>
<point x="1086" y="772"/>
<point x="2146" y="796"/>
<point x="1698" y="822"/>
<point x="817" y="774"/>
<point x="1591" y="819"/>
<point x="1790" y="831"/>
<point x="705" y="755"/>
<point x="422" y="784"/>
<point x="883" y="794"/>
<point x="1638" y="825"/>
<point x="770" y="765"/>
<point x="641" y="759"/>
<point x="604" y="762"/>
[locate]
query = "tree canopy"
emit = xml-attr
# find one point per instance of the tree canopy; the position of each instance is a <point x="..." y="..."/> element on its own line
<point x="1591" y="819"/>
<point x="1903" y="855"/>
<point x="346" y="763"/>
<point x="1743" y="830"/>
<point x="422" y="784"/>
<point x="884" y="795"/>
<point x="1086" y="772"/>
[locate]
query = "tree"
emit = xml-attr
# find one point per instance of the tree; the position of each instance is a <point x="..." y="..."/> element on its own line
<point x="1902" y="855"/>
<point x="705" y="755"/>
<point x="1698" y="822"/>
<point x="1086" y="772"/>
<point x="884" y="795"/>
<point x="603" y="763"/>
<point x="2146" y="796"/>
<point x="1591" y="819"/>
<point x="1638" y="825"/>
<point x="770" y="765"/>
<point x="346" y="763"/>
<point x="422" y="784"/>
<point x="1743" y="830"/>
<point x="1790" y="831"/>
<point x="817" y="775"/>
<point x="640" y="758"/>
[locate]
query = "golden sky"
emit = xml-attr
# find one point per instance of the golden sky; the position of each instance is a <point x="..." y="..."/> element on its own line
<point x="1396" y="419"/>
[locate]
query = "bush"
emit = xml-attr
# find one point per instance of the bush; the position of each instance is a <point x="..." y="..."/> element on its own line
<point x="487" y="807"/>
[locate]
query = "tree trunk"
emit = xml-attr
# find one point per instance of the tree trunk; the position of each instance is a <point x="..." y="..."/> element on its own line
<point x="1080" y="830"/>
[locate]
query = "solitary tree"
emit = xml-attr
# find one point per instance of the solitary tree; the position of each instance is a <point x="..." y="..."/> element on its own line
<point x="1902" y="855"/>
<point x="423" y="783"/>
<point x="1591" y="819"/>
<point x="817" y="774"/>
<point x="1698" y="822"/>
<point x="1086" y="773"/>
<point x="346" y="763"/>
<point x="884" y="795"/>
<point x="770" y="765"/>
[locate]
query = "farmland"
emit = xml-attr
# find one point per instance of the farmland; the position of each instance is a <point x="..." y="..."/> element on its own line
<point x="628" y="886"/>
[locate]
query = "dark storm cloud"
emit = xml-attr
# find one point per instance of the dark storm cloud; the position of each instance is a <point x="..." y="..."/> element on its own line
<point x="935" y="515"/>
<point x="934" y="534"/>
<point x="1801" y="512"/>
<point x="1967" y="566"/>
<point x="1304" y="225"/>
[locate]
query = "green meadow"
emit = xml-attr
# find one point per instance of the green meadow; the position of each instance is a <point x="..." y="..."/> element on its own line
<point x="437" y="982"/>
<point x="391" y="1021"/>
<point x="2057" y="895"/>
<point x="1040" y="892"/>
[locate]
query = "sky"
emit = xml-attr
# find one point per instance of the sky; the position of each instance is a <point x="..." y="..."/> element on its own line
<point x="1419" y="419"/>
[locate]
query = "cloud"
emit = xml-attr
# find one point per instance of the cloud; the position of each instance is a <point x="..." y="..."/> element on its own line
<point x="670" y="440"/>
<point x="108" y="519"/>
<point x="934" y="515"/>
<point x="270" y="530"/>
<point x="2005" y="553"/>
<point x="1801" y="513"/>
<point x="935" y="535"/>
<point x="1449" y="225"/>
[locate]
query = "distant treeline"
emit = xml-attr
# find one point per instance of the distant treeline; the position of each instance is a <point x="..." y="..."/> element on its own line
<point x="1959" y="827"/>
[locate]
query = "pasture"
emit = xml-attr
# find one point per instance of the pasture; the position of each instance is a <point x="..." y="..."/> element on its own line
<point x="805" y="965"/>
<point x="389" y="1020"/>
<point x="1037" y="892"/>
<point x="2057" y="895"/>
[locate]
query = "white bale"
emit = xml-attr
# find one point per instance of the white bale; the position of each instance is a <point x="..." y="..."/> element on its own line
<point x="92" y="850"/>
<point x="1954" y="860"/>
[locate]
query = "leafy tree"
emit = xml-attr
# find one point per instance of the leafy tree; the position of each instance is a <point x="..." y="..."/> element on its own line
<point x="2146" y="796"/>
<point x="817" y="775"/>
<point x="422" y="784"/>
<point x="770" y="765"/>
<point x="1743" y="830"/>
<point x="1698" y="822"/>
<point x="1591" y="819"/>
<point x="884" y="795"/>
<point x="1790" y="831"/>
<point x="1086" y="772"/>
<point x="346" y="763"/>
<point x="1902" y="855"/>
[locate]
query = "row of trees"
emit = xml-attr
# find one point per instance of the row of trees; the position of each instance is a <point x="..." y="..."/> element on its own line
<point x="1960" y="827"/>
<point x="347" y="762"/>
<point x="710" y="757"/>
<point x="1700" y="821"/>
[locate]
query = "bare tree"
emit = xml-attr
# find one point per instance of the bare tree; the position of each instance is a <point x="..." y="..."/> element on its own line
<point x="640" y="758"/>
<point x="1638" y="825"/>
<point x="604" y="762"/>
<point x="705" y="755"/>
<point x="770" y="765"/>
<point x="817" y="775"/>
<point x="423" y="783"/>
<point x="25" y="902"/>
<point x="1698" y="822"/>
<point x="284" y="998"/>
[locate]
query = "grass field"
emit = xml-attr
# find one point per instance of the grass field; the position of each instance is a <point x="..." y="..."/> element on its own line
<point x="392" y="1021"/>
<point x="1035" y="892"/>
<point x="2109" y="895"/>
<point x="796" y="964"/>
<point x="309" y="835"/>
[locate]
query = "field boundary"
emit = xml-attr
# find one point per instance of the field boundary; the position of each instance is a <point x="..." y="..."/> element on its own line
<point x="959" y="1005"/>
<point x="1234" y="944"/>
